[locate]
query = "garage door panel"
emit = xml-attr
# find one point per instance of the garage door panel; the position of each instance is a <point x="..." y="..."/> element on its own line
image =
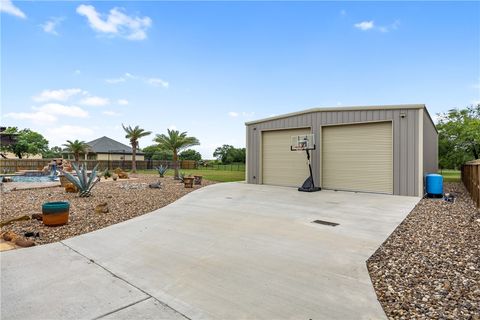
<point x="280" y="166"/>
<point x="358" y="157"/>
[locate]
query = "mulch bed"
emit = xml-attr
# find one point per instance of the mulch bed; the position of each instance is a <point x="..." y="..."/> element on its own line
<point x="429" y="268"/>
<point x="125" y="199"/>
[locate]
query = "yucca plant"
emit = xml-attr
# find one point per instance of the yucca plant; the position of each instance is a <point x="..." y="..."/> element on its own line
<point x="82" y="181"/>
<point x="162" y="170"/>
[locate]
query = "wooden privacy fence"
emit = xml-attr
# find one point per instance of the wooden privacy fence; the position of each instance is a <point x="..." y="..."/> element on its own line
<point x="471" y="179"/>
<point x="15" y="165"/>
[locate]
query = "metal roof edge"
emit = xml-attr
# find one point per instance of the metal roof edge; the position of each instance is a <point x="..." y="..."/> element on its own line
<point x="346" y="108"/>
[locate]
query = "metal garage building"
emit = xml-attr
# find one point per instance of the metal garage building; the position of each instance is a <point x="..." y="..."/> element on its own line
<point x="382" y="149"/>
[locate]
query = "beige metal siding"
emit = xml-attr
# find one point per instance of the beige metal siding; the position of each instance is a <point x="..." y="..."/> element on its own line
<point x="281" y="166"/>
<point x="358" y="157"/>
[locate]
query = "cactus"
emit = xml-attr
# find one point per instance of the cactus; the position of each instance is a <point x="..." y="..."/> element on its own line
<point x="82" y="181"/>
<point x="162" y="170"/>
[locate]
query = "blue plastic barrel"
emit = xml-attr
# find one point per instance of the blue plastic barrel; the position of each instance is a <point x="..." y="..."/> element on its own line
<point x="434" y="185"/>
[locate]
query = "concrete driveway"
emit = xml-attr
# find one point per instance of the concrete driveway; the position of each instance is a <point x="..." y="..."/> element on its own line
<point x="227" y="251"/>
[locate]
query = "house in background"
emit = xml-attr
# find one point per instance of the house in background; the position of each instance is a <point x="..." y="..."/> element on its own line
<point x="105" y="148"/>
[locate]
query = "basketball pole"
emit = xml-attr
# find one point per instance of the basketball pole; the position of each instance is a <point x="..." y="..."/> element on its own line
<point x="310" y="167"/>
<point x="309" y="185"/>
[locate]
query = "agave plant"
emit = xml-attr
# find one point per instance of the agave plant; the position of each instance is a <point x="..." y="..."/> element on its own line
<point x="181" y="175"/>
<point x="162" y="170"/>
<point x="82" y="181"/>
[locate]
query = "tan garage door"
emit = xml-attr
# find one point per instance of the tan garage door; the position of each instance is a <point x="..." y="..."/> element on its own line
<point x="358" y="157"/>
<point x="280" y="166"/>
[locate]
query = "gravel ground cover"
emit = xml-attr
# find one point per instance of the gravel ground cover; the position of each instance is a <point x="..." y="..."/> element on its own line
<point x="429" y="268"/>
<point x="125" y="199"/>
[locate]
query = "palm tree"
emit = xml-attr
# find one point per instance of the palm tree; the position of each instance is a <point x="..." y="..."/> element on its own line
<point x="133" y="134"/>
<point x="76" y="147"/>
<point x="175" y="141"/>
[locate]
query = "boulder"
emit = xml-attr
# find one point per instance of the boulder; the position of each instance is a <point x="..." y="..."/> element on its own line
<point x="157" y="185"/>
<point x="101" y="208"/>
<point x="25" y="217"/>
<point x="70" y="187"/>
<point x="10" y="236"/>
<point x="24" y="243"/>
<point x="37" y="216"/>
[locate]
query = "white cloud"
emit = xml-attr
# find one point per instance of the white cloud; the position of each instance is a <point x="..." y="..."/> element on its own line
<point x="370" y="25"/>
<point x="116" y="23"/>
<point x="8" y="7"/>
<point x="235" y="114"/>
<point x="172" y="127"/>
<point x="157" y="82"/>
<point x="364" y="25"/>
<point x="57" y="95"/>
<point x="50" y="25"/>
<point x="48" y="113"/>
<point x="111" y="113"/>
<point x="68" y="132"/>
<point x="62" y="110"/>
<point x="35" y="117"/>
<point x="122" y="102"/>
<point x="115" y="80"/>
<point x="95" y="101"/>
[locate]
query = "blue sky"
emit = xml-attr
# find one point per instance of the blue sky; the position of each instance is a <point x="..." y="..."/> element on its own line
<point x="78" y="70"/>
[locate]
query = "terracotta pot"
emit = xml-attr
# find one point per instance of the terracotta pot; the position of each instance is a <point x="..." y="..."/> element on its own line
<point x="55" y="213"/>
<point x="188" y="181"/>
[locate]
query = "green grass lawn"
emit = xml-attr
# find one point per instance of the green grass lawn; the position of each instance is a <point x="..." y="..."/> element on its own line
<point x="212" y="175"/>
<point x="450" y="175"/>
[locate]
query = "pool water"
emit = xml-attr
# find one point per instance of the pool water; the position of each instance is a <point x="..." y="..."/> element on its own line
<point x="33" y="179"/>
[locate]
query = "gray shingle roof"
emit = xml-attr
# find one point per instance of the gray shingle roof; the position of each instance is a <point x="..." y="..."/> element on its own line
<point x="107" y="145"/>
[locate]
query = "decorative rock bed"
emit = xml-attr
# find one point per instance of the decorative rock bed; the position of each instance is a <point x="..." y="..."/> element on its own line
<point x="125" y="199"/>
<point x="429" y="268"/>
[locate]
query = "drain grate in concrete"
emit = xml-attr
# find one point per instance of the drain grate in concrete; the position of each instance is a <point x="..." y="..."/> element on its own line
<point x="327" y="223"/>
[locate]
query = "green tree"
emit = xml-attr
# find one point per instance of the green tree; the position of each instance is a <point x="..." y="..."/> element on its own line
<point x="458" y="136"/>
<point x="154" y="152"/>
<point x="76" y="147"/>
<point x="54" y="152"/>
<point x="190" y="154"/>
<point x="175" y="141"/>
<point x="133" y="134"/>
<point x="229" y="154"/>
<point x="26" y="142"/>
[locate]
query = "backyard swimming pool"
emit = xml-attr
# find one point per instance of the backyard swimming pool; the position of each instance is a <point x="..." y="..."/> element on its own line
<point x="32" y="179"/>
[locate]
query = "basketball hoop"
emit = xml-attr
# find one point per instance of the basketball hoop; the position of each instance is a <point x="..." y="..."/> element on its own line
<point x="305" y="143"/>
<point x="302" y="142"/>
